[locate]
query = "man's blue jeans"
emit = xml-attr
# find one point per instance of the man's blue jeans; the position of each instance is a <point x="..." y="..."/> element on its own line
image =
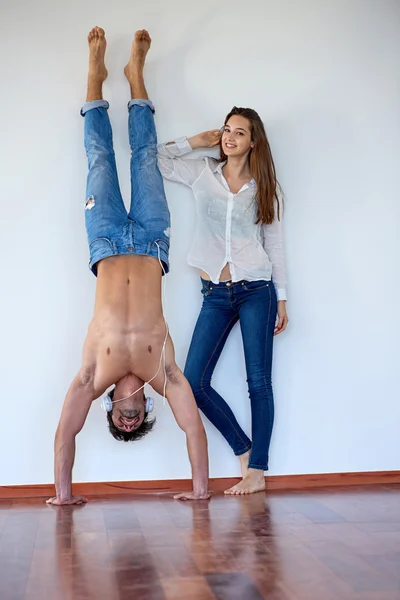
<point x="111" y="231"/>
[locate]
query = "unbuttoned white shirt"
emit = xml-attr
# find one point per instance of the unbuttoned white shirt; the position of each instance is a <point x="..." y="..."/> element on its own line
<point x="226" y="230"/>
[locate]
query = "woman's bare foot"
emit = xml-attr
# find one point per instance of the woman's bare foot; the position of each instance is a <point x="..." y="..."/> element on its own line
<point x="97" y="69"/>
<point x="244" y="463"/>
<point x="134" y="69"/>
<point x="253" y="482"/>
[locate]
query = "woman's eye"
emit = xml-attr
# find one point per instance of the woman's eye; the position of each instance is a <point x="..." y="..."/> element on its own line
<point x="240" y="133"/>
<point x="226" y="130"/>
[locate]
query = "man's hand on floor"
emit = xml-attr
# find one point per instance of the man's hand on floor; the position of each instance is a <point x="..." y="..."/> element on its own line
<point x="66" y="501"/>
<point x="193" y="496"/>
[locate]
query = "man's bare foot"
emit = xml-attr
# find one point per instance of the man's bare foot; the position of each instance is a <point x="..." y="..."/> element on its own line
<point x="244" y="463"/>
<point x="140" y="47"/>
<point x="253" y="482"/>
<point x="97" y="49"/>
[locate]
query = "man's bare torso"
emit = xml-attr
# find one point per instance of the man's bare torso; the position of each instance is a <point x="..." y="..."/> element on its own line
<point x="128" y="328"/>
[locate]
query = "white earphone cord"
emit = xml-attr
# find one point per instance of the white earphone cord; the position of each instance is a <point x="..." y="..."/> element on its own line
<point x="162" y="357"/>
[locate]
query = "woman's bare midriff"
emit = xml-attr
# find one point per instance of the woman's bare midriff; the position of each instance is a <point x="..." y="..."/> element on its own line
<point x="225" y="274"/>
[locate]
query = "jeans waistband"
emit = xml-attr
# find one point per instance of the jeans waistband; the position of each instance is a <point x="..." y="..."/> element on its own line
<point x="226" y="284"/>
<point x="221" y="284"/>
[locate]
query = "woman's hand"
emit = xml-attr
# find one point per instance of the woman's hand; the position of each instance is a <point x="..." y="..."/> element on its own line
<point x="282" y="318"/>
<point x="207" y="139"/>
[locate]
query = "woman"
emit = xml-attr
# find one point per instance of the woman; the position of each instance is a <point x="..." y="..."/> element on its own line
<point x="238" y="248"/>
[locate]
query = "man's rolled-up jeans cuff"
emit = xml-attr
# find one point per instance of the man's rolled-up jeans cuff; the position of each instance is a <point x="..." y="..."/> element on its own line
<point x="93" y="104"/>
<point x="141" y="102"/>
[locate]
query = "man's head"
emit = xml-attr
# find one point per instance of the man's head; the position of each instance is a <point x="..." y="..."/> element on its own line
<point x="128" y="420"/>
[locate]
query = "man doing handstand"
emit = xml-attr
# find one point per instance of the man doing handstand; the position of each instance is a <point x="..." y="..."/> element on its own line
<point x="128" y="253"/>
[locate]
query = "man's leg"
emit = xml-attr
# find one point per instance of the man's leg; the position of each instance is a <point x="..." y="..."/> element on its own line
<point x="105" y="210"/>
<point x="149" y="208"/>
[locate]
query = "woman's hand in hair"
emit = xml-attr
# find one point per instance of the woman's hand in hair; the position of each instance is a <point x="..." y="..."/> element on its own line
<point x="282" y="318"/>
<point x="207" y="139"/>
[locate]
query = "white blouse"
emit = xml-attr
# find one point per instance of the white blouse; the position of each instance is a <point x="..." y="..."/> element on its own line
<point x="226" y="230"/>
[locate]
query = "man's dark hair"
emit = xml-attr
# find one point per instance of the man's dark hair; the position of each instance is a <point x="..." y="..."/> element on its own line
<point x="131" y="436"/>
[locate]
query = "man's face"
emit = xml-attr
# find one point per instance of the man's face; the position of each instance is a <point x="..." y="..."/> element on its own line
<point x="129" y="414"/>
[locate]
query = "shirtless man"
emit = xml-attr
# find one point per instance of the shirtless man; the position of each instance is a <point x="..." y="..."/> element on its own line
<point x="128" y="253"/>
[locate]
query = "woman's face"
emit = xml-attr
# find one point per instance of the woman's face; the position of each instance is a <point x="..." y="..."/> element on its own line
<point x="236" y="137"/>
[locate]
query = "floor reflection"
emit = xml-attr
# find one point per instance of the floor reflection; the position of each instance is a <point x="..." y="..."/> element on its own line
<point x="144" y="546"/>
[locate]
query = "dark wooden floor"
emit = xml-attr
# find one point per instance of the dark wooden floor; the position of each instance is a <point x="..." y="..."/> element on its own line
<point x="330" y="544"/>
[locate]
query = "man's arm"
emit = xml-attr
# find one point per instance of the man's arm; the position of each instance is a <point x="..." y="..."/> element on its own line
<point x="74" y="412"/>
<point x="186" y="413"/>
<point x="196" y="442"/>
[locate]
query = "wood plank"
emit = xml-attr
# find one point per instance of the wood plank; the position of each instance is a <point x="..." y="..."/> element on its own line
<point x="274" y="482"/>
<point x="283" y="545"/>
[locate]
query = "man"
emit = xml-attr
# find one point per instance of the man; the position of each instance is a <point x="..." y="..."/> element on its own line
<point x="128" y="253"/>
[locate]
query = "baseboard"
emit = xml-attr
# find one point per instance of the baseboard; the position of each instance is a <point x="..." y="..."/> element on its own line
<point x="274" y="482"/>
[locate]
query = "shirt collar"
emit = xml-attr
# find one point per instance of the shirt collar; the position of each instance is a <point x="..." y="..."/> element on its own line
<point x="218" y="169"/>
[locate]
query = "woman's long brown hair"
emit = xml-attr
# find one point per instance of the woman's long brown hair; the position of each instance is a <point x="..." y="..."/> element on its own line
<point x="262" y="166"/>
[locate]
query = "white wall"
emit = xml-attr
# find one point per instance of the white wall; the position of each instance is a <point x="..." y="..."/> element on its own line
<point x="324" y="75"/>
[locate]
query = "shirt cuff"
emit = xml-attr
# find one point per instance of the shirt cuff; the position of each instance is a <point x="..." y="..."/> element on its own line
<point x="183" y="145"/>
<point x="281" y="294"/>
<point x="178" y="147"/>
